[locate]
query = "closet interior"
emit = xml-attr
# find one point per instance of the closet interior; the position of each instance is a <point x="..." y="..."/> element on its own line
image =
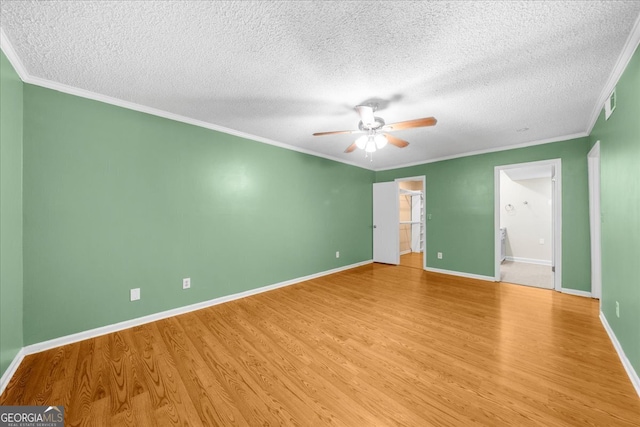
<point x="411" y="222"/>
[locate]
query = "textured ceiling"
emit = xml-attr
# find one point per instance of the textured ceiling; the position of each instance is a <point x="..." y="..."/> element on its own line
<point x="280" y="71"/>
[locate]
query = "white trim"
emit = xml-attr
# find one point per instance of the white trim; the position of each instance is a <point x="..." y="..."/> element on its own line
<point x="628" y="50"/>
<point x="11" y="370"/>
<point x="576" y="292"/>
<point x="175" y="117"/>
<point x="488" y="150"/>
<point x="593" y="165"/>
<point x="12" y="56"/>
<point x="621" y="64"/>
<point x="17" y="64"/>
<point x="103" y="330"/>
<point x="528" y="260"/>
<point x="460" y="274"/>
<point x="633" y="375"/>
<point x="405" y="252"/>
<point x="27" y="78"/>
<point x="556" y="256"/>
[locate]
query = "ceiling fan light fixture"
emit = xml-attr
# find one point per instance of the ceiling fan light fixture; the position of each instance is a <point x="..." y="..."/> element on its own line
<point x="380" y="141"/>
<point x="371" y="145"/>
<point x="361" y="142"/>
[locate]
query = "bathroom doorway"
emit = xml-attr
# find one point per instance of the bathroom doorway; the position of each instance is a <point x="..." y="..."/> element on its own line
<point x="527" y="224"/>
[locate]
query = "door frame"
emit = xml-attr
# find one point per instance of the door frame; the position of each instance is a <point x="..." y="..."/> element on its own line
<point x="593" y="159"/>
<point x="556" y="215"/>
<point x="422" y="178"/>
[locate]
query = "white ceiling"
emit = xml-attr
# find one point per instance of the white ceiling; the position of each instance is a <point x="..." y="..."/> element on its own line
<point x="529" y="172"/>
<point x="279" y="71"/>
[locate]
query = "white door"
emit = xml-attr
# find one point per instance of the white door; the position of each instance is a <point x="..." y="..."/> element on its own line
<point x="386" y="223"/>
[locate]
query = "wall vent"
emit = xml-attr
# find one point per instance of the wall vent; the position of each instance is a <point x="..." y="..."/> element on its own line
<point x="610" y="105"/>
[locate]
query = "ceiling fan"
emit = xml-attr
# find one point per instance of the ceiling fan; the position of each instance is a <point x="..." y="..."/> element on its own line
<point x="375" y="130"/>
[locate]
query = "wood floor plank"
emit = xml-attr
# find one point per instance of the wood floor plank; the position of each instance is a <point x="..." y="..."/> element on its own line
<point x="294" y="368"/>
<point x="374" y="345"/>
<point x="208" y="394"/>
<point x="89" y="383"/>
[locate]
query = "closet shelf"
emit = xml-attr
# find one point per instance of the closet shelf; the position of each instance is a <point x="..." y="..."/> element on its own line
<point x="411" y="192"/>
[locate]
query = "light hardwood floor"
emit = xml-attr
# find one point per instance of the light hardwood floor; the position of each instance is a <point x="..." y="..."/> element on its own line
<point x="373" y="346"/>
<point x="412" y="259"/>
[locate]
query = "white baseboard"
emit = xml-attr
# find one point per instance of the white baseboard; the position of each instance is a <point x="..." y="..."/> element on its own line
<point x="103" y="330"/>
<point x="576" y="292"/>
<point x="528" y="260"/>
<point x="11" y="369"/>
<point x="461" y="274"/>
<point x="633" y="375"/>
<point x="405" y="252"/>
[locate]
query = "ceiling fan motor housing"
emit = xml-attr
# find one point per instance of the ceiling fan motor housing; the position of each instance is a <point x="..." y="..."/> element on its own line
<point x="377" y="123"/>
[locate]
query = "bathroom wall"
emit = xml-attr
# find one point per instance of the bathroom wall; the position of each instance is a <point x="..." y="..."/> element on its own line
<point x="527" y="215"/>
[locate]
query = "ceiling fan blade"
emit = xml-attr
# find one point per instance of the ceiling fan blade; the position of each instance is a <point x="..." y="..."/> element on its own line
<point x="416" y="123"/>
<point x="336" y="132"/>
<point x="351" y="148"/>
<point x="401" y="143"/>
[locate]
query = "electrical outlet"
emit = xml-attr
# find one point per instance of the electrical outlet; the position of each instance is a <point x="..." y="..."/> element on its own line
<point x="617" y="309"/>
<point x="337" y="254"/>
<point x="186" y="283"/>
<point x="542" y="241"/>
<point x="439" y="255"/>
<point x="135" y="294"/>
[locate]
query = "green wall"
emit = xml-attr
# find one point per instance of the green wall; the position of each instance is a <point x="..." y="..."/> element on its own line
<point x="10" y="213"/>
<point x="460" y="199"/>
<point x="620" y="208"/>
<point x="116" y="199"/>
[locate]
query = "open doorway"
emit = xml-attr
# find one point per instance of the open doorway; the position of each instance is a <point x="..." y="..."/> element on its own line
<point x="527" y="222"/>
<point x="412" y="227"/>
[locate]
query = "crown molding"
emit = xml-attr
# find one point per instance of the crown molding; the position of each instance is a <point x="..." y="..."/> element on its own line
<point x="623" y="60"/>
<point x="82" y="93"/>
<point x="630" y="46"/>
<point x="24" y="75"/>
<point x="12" y="56"/>
<point x="490" y="150"/>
